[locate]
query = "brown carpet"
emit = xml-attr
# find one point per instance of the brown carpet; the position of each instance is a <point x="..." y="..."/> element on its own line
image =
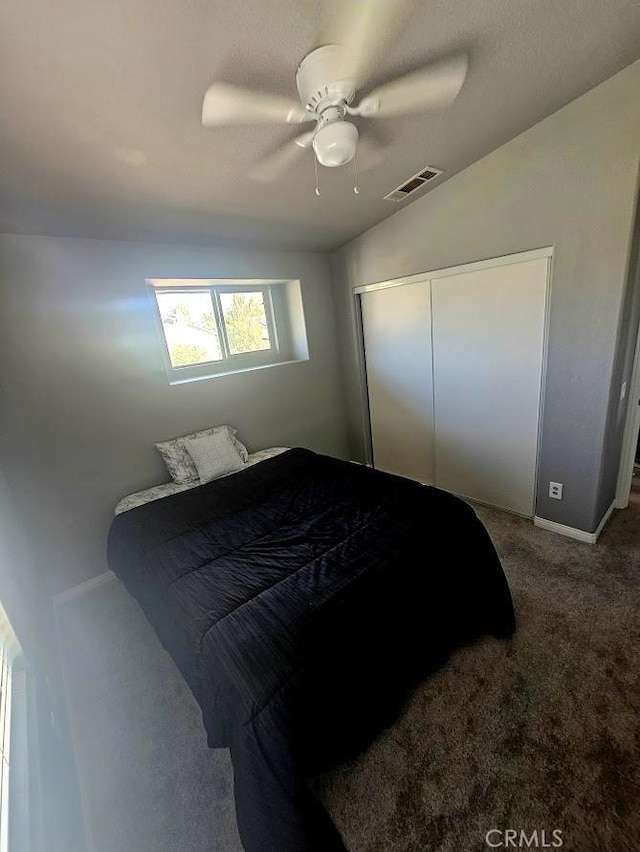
<point x="539" y="732"/>
<point x="536" y="733"/>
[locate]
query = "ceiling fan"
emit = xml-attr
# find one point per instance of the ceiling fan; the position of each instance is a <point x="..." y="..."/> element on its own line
<point x="354" y="34"/>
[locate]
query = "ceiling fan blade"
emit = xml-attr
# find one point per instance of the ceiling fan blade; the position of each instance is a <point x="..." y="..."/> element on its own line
<point x="370" y="155"/>
<point x="362" y="28"/>
<point x="226" y="104"/>
<point x="273" y="165"/>
<point x="433" y="87"/>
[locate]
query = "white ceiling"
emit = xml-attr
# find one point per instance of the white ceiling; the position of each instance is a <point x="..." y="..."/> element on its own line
<point x="100" y="109"/>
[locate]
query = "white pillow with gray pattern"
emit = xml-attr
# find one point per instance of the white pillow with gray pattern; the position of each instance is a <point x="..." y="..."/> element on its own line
<point x="177" y="459"/>
<point x="213" y="455"/>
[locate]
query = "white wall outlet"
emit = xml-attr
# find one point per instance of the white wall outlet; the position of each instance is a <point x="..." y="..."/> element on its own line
<point x="555" y="490"/>
<point x="623" y="391"/>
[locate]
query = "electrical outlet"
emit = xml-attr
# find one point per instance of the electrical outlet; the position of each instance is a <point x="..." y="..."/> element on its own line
<point x="555" y="490"/>
<point x="623" y="391"/>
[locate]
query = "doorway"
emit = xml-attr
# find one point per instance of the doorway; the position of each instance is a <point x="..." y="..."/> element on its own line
<point x="628" y="484"/>
<point x="628" y="487"/>
<point x="634" y="496"/>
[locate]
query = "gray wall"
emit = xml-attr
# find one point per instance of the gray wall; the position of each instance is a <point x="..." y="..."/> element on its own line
<point x="569" y="182"/>
<point x="84" y="393"/>
<point x="24" y="599"/>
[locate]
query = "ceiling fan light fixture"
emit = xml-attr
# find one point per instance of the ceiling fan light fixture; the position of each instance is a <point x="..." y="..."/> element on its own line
<point x="335" y="144"/>
<point x="355" y="33"/>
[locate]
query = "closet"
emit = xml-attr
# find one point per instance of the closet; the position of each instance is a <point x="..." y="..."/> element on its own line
<point x="454" y="367"/>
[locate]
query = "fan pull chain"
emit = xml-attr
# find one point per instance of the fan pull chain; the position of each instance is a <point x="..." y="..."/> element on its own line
<point x="356" y="188"/>
<point x="315" y="161"/>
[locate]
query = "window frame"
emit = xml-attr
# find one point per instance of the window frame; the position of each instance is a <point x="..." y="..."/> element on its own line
<point x="10" y="653"/>
<point x="6" y="677"/>
<point x="275" y="315"/>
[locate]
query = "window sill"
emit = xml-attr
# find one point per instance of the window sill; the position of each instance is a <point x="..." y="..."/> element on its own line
<point x="231" y="372"/>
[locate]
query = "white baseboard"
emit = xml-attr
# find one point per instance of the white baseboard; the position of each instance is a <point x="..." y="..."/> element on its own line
<point x="573" y="532"/>
<point x="83" y="588"/>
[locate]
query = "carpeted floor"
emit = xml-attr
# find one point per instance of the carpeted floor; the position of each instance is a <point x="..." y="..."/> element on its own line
<point x="539" y="732"/>
<point x="148" y="781"/>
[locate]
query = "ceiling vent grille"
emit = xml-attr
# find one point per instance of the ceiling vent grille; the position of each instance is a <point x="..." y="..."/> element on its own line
<point x="414" y="183"/>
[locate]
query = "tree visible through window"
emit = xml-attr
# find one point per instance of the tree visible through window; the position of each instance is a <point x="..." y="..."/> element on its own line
<point x="213" y="324"/>
<point x="245" y="321"/>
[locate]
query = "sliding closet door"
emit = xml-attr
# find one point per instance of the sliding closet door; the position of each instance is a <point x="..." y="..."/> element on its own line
<point x="397" y="333"/>
<point x="488" y="332"/>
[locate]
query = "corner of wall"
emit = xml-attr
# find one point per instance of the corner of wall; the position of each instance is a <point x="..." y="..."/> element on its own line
<point x="348" y="358"/>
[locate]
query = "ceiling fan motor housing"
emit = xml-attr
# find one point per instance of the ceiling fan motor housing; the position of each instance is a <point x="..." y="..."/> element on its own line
<point x="316" y="80"/>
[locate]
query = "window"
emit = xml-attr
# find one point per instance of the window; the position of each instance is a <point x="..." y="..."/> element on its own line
<point x="9" y="649"/>
<point x="217" y="327"/>
<point x="5" y="729"/>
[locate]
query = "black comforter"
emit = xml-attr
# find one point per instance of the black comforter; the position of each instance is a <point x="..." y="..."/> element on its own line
<point x="301" y="599"/>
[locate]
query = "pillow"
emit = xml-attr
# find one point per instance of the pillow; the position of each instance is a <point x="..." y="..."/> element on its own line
<point x="178" y="461"/>
<point x="213" y="455"/>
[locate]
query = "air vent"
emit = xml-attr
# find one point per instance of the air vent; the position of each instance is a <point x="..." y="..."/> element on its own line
<point x="414" y="183"/>
<point x="430" y="173"/>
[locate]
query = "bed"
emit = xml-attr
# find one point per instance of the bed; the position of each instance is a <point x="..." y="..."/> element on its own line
<point x="302" y="598"/>
<point x="166" y="489"/>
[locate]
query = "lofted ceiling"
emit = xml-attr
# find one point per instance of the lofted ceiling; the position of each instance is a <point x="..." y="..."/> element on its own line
<point x="100" y="103"/>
